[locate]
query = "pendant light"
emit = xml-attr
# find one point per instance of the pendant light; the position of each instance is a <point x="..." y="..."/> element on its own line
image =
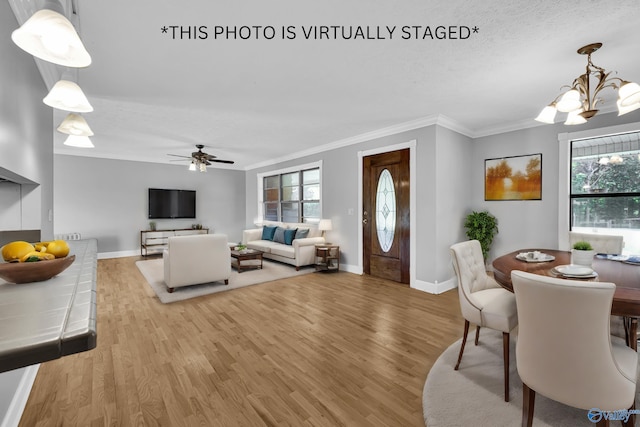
<point x="79" y="141"/>
<point x="582" y="97"/>
<point x="50" y="36"/>
<point x="66" y="95"/>
<point x="75" y="124"/>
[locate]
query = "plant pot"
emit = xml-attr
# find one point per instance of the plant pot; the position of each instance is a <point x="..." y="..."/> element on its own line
<point x="582" y="257"/>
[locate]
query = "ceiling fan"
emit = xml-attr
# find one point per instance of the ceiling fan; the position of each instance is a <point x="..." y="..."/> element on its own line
<point x="200" y="160"/>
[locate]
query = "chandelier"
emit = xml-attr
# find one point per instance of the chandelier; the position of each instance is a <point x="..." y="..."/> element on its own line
<point x="580" y="102"/>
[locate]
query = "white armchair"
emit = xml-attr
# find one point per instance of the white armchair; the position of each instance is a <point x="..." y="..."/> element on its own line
<point x="191" y="260"/>
<point x="564" y="350"/>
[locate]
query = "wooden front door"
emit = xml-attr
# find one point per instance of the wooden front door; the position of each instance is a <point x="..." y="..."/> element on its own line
<point x="385" y="215"/>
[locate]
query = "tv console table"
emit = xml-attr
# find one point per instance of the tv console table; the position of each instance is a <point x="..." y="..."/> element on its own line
<point x="156" y="240"/>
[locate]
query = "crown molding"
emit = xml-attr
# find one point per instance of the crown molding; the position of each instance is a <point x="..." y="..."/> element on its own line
<point x="435" y="119"/>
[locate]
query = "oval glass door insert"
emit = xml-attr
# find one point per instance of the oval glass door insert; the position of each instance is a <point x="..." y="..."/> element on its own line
<point x="385" y="210"/>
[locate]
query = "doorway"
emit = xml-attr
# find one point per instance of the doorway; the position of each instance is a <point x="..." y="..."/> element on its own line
<point x="386" y="215"/>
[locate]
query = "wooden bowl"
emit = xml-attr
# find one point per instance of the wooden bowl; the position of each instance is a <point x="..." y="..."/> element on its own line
<point x="26" y="272"/>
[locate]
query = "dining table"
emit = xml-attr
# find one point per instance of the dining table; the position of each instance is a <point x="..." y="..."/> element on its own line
<point x="626" y="277"/>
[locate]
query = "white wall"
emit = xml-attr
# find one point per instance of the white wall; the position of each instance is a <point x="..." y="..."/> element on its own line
<point x="442" y="159"/>
<point x="529" y="223"/>
<point x="108" y="199"/>
<point x="453" y="178"/>
<point x="26" y="154"/>
<point x="26" y="132"/>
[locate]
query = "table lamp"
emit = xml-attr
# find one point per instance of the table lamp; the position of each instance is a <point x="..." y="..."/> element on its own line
<point x="325" y="225"/>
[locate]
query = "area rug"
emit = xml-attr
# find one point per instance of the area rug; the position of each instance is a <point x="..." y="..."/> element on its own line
<point x="153" y="272"/>
<point x="474" y="395"/>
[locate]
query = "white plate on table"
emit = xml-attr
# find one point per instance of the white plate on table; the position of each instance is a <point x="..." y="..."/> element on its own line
<point x="575" y="271"/>
<point x="542" y="257"/>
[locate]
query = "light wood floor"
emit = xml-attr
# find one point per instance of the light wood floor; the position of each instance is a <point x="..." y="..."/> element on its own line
<point x="316" y="350"/>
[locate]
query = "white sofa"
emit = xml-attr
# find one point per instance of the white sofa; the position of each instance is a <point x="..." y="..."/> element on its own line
<point x="195" y="259"/>
<point x="299" y="253"/>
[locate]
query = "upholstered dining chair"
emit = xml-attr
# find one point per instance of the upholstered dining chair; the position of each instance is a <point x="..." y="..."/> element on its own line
<point x="564" y="349"/>
<point x="482" y="300"/>
<point x="601" y="243"/>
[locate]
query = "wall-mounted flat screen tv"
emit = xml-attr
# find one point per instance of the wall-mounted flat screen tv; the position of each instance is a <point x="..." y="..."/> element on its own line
<point x="171" y="203"/>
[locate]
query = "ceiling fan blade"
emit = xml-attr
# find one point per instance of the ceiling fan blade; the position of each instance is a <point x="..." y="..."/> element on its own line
<point x="179" y="160"/>
<point x="223" y="161"/>
<point x="177" y="155"/>
<point x="210" y="156"/>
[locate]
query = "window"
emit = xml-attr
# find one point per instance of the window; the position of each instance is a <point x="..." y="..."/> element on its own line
<point x="605" y="187"/>
<point x="291" y="196"/>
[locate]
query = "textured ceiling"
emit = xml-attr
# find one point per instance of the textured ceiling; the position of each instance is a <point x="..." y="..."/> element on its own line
<point x="256" y="100"/>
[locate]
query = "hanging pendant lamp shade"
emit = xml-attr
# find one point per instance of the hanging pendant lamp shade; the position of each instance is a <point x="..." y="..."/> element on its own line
<point x="574" y="118"/>
<point x="75" y="124"/>
<point x="629" y="94"/>
<point x="50" y="36"/>
<point x="66" y="95"/>
<point x="79" y="141"/>
<point x="624" y="110"/>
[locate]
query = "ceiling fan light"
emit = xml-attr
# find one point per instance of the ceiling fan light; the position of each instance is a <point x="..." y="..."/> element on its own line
<point x="50" y="36"/>
<point x="66" y="95"/>
<point x="203" y="167"/>
<point x="192" y="166"/>
<point x="629" y="94"/>
<point x="574" y="118"/>
<point x="569" y="102"/>
<point x="75" y="124"/>
<point x="624" y="110"/>
<point x="78" y="141"/>
<point x="548" y="114"/>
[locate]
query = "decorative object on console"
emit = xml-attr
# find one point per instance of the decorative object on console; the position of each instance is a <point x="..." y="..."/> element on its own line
<point x="578" y="100"/>
<point x="50" y="36"/>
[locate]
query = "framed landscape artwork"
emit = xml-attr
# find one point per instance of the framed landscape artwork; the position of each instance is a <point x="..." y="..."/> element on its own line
<point x="513" y="178"/>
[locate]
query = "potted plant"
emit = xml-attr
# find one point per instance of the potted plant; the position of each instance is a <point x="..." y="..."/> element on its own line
<point x="482" y="226"/>
<point x="582" y="254"/>
<point x="152" y="225"/>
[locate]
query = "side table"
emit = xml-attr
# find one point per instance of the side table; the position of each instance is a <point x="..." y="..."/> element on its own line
<point x="327" y="257"/>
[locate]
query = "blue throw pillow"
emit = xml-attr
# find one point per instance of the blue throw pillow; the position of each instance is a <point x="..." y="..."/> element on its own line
<point x="278" y="236"/>
<point x="289" y="235"/>
<point x="301" y="233"/>
<point x="268" y="232"/>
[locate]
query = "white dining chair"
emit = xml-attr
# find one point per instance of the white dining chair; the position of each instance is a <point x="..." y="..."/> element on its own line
<point x="482" y="300"/>
<point x="564" y="349"/>
<point x="601" y="243"/>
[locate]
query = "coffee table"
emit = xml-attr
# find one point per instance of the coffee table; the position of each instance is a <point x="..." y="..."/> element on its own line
<point x="246" y="259"/>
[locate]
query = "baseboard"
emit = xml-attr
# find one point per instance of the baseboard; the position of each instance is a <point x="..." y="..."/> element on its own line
<point x="437" y="287"/>
<point x="117" y="254"/>
<point x="351" y="268"/>
<point x="19" y="401"/>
